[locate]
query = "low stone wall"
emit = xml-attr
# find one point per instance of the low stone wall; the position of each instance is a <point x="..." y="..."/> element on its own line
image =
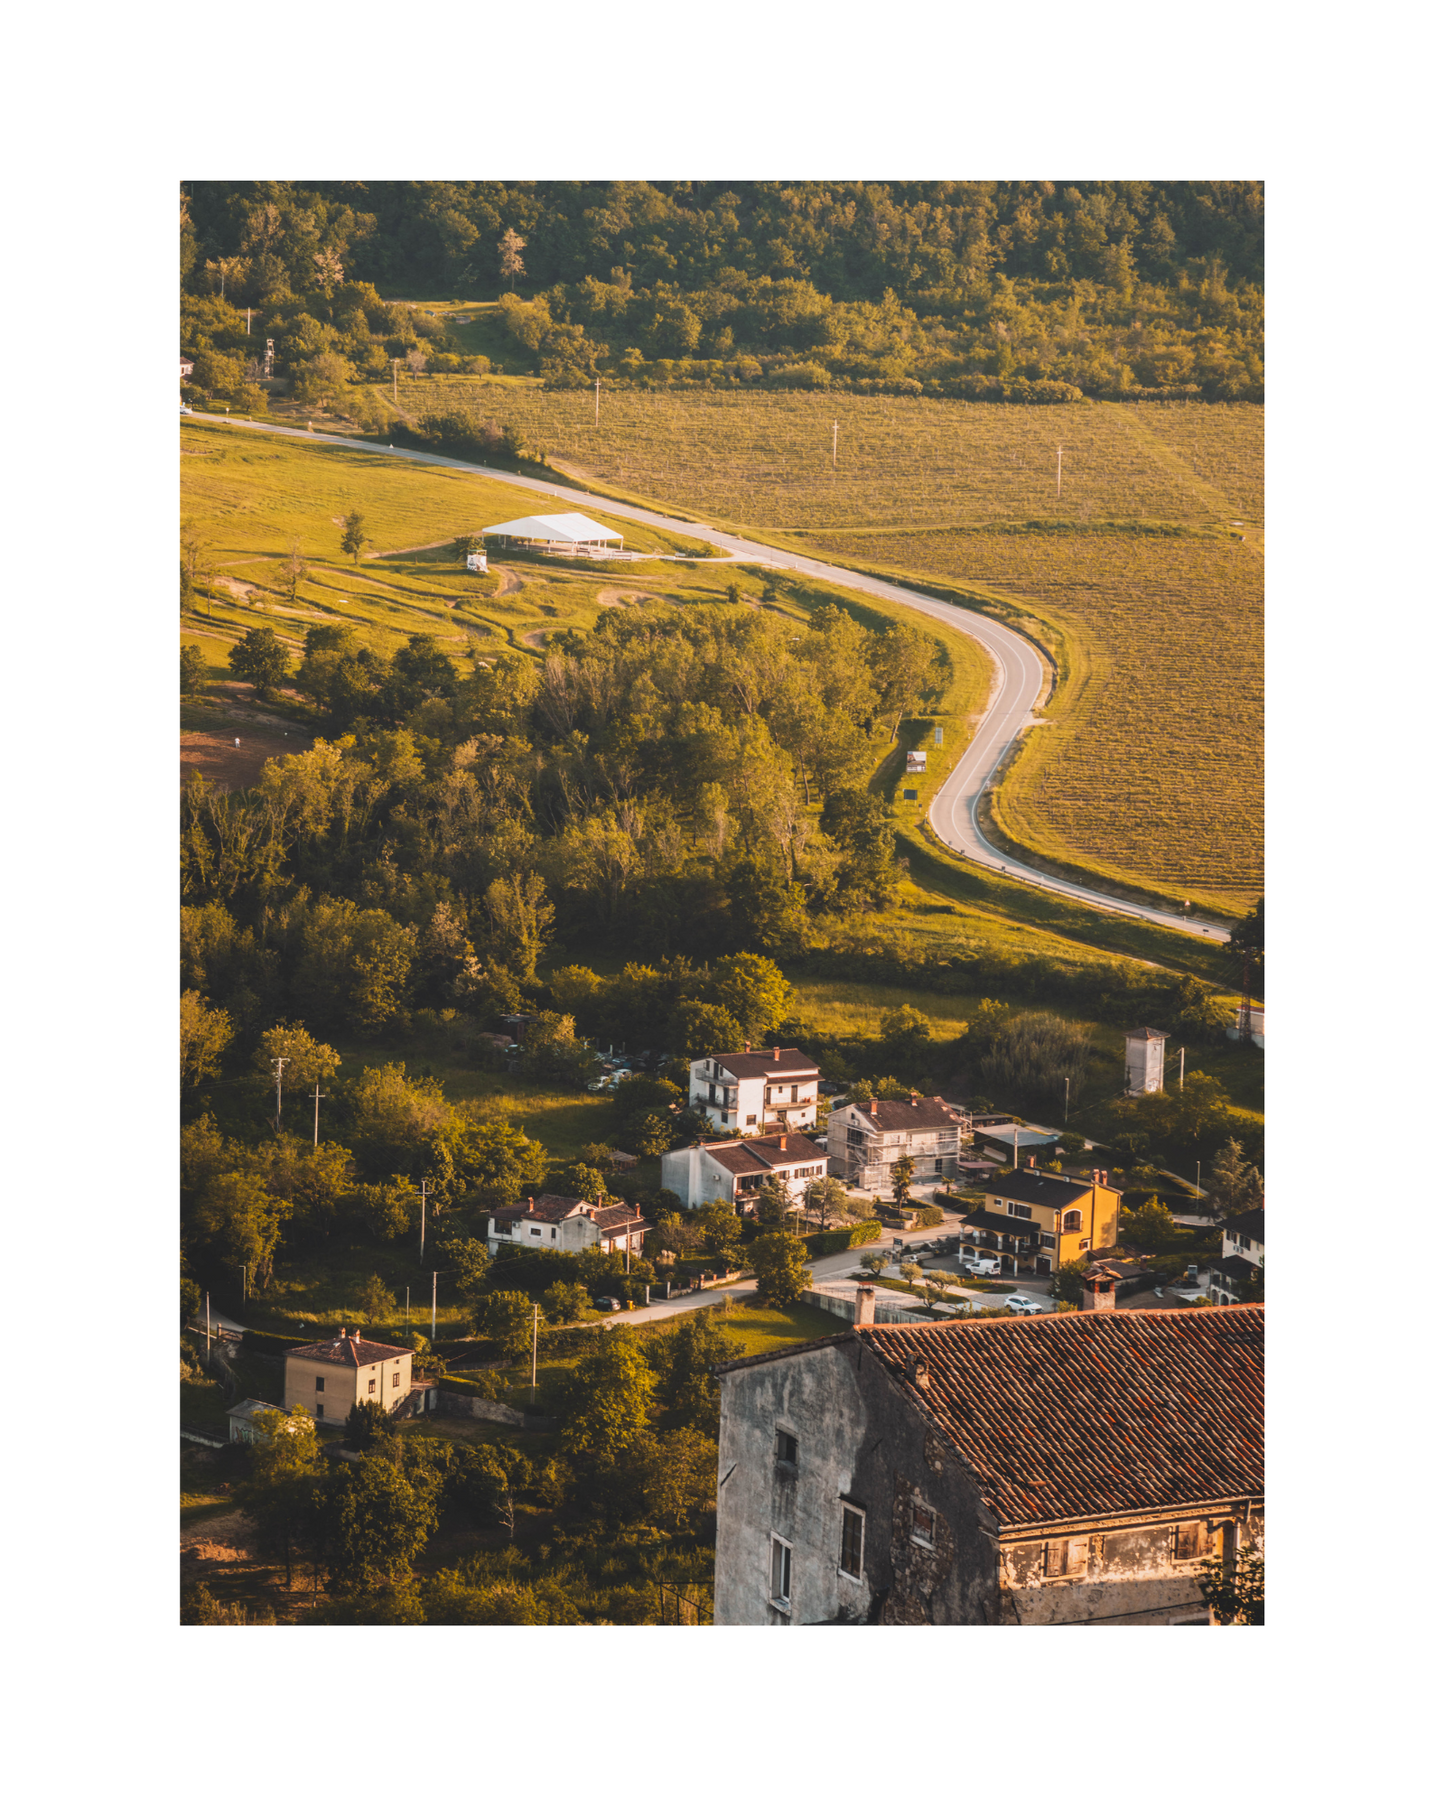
<point x="490" y="1410"/>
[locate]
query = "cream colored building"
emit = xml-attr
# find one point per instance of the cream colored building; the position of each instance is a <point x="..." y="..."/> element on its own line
<point x="327" y="1378"/>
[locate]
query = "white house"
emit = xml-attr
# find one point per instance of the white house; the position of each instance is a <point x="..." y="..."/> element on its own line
<point x="187" y="365"/>
<point x="1237" y="1269"/>
<point x="774" y="1088"/>
<point x="864" y="1140"/>
<point x="566" y="1226"/>
<point x="732" y="1172"/>
<point x="570" y="535"/>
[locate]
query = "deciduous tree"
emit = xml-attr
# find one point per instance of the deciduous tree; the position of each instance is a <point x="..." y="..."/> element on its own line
<point x="261" y="661"/>
<point x="778" y="1262"/>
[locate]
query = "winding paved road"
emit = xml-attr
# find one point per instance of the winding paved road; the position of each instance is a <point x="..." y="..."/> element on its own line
<point x="1018" y="682"/>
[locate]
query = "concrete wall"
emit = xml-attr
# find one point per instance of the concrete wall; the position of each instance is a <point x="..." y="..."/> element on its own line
<point x="1130" y="1575"/>
<point x="489" y="1410"/>
<point x="860" y="1440"/>
<point x="847" y="1308"/>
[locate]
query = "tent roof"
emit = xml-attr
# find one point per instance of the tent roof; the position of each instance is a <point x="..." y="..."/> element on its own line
<point x="574" y="527"/>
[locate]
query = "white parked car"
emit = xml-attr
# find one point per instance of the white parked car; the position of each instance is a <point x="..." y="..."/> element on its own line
<point x="1023" y="1305"/>
<point x="978" y="1263"/>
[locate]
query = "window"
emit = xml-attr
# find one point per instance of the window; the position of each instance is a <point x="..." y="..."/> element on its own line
<point x="795" y="1094"/>
<point x="782" y="1577"/>
<point x="371" y="1385"/>
<point x="1046" y="1241"/>
<point x="751" y="1121"/>
<point x="396" y="1379"/>
<point x="554" y="1232"/>
<point x="320" y="1383"/>
<point x="1073" y="1222"/>
<point x="1070" y="1556"/>
<point x="1021" y="1210"/>
<point x="785" y="1448"/>
<point x="321" y="1410"/>
<point x="850" y="1556"/>
<point x="922" y="1525"/>
<point x="1188" y="1542"/>
<point x="536" y="1231"/>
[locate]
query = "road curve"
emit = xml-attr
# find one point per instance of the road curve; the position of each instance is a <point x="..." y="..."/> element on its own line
<point x="1018" y="680"/>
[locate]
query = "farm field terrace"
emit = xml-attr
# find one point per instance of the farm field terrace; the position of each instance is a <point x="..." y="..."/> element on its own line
<point x="1144" y="577"/>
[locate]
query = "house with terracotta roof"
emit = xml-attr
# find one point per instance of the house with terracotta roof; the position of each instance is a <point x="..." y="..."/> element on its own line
<point x="776" y="1087"/>
<point x="1061" y="1469"/>
<point x="566" y="1225"/>
<point x="327" y="1378"/>
<point x="865" y="1140"/>
<point x="732" y="1172"/>
<point x="1038" y="1220"/>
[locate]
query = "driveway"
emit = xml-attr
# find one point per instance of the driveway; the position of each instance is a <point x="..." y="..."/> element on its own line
<point x="1019" y="670"/>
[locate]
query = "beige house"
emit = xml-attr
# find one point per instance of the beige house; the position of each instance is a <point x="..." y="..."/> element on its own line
<point x="328" y="1378"/>
<point x="865" y="1140"/>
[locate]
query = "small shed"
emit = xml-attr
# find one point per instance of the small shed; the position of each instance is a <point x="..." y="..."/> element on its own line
<point x="567" y="535"/>
<point x="242" y="1419"/>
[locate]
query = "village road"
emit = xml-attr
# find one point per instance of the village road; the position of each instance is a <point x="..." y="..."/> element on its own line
<point x="1019" y="670"/>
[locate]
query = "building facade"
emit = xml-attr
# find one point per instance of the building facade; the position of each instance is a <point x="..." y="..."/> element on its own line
<point x="1038" y="1220"/>
<point x="567" y="1226"/>
<point x="732" y="1172"/>
<point x="865" y="1140"/>
<point x="1071" y="1469"/>
<point x="1236" y="1275"/>
<point x="776" y="1088"/>
<point x="1144" y="1060"/>
<point x="327" y="1378"/>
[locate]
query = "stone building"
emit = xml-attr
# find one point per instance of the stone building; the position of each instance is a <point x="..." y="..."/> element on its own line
<point x="1064" y="1469"/>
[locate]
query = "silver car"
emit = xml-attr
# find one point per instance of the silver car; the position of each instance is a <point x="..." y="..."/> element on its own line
<point x="1023" y="1305"/>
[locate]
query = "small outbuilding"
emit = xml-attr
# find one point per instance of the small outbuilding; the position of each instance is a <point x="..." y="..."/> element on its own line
<point x="242" y="1420"/>
<point x="565" y="535"/>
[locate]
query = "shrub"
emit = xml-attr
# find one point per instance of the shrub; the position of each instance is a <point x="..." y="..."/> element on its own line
<point x="928" y="1217"/>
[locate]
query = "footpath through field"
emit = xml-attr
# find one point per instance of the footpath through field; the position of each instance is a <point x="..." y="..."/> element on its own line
<point x="1018" y="682"/>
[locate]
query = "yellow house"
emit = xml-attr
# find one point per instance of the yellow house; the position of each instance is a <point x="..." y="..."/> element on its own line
<point x="328" y="1378"/>
<point x="1039" y="1220"/>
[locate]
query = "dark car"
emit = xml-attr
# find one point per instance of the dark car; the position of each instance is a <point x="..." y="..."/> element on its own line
<point x="606" y="1304"/>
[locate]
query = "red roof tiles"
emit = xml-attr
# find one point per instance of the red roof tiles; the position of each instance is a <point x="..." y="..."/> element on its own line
<point x="1078" y="1416"/>
<point x="349" y="1351"/>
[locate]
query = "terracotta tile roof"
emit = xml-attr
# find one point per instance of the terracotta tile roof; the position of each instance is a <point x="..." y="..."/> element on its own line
<point x="1052" y="1191"/>
<point x="616" y="1216"/>
<point x="768" y="1062"/>
<point x="762" y="1153"/>
<point x="1001" y="1224"/>
<point x="1078" y="1416"/>
<point x="894" y="1113"/>
<point x="547" y="1207"/>
<point x="348" y="1351"/>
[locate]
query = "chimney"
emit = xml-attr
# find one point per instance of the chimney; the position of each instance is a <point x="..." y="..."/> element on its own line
<point x="918" y="1372"/>
<point x="1098" y="1290"/>
<point x="1031" y="1159"/>
<point x="863" y="1312"/>
<point x="747" y="1047"/>
<point x="777" y="1056"/>
<point x="1104" y="1176"/>
<point x="872" y="1106"/>
<point x="913" y="1099"/>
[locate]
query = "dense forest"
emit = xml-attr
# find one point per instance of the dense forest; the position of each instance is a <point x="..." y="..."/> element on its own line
<point x="1027" y="291"/>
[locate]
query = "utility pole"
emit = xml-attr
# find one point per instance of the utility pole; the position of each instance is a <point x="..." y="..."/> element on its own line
<point x="1181" y="1068"/>
<point x="280" y="1061"/>
<point x="1059" y="482"/>
<point x="536" y="1312"/>
<point x="426" y="1186"/>
<point x="208" y="1329"/>
<point x="433" y="1307"/>
<point x="408" y="1307"/>
<point x="1066" y="1100"/>
<point x="394" y="362"/>
<point x="248" y="322"/>
<point x="1198" y="1173"/>
<point x="835" y="445"/>
<point x="597" y="403"/>
<point x="316" y="1121"/>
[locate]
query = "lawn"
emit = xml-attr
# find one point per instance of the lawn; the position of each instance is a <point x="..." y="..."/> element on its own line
<point x="1153" y="776"/>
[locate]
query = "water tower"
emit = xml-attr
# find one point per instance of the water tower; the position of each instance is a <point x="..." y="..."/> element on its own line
<point x="1144" y="1060"/>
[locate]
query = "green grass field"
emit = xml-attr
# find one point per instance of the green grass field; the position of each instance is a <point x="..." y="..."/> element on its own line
<point x="1153" y="777"/>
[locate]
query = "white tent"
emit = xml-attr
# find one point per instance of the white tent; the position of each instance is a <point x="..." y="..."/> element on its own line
<point x="554" y="531"/>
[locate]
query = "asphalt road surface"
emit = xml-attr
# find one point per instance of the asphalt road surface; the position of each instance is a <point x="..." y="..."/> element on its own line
<point x="1019" y="671"/>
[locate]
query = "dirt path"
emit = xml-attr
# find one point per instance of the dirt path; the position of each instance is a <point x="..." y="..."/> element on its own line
<point x="219" y="759"/>
<point x="619" y="598"/>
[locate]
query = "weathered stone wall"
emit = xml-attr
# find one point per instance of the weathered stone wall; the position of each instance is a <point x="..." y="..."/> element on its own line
<point x="860" y="1439"/>
<point x="490" y="1410"/>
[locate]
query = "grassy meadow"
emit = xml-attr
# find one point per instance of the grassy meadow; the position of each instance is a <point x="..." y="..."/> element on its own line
<point x="1152" y="776"/>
